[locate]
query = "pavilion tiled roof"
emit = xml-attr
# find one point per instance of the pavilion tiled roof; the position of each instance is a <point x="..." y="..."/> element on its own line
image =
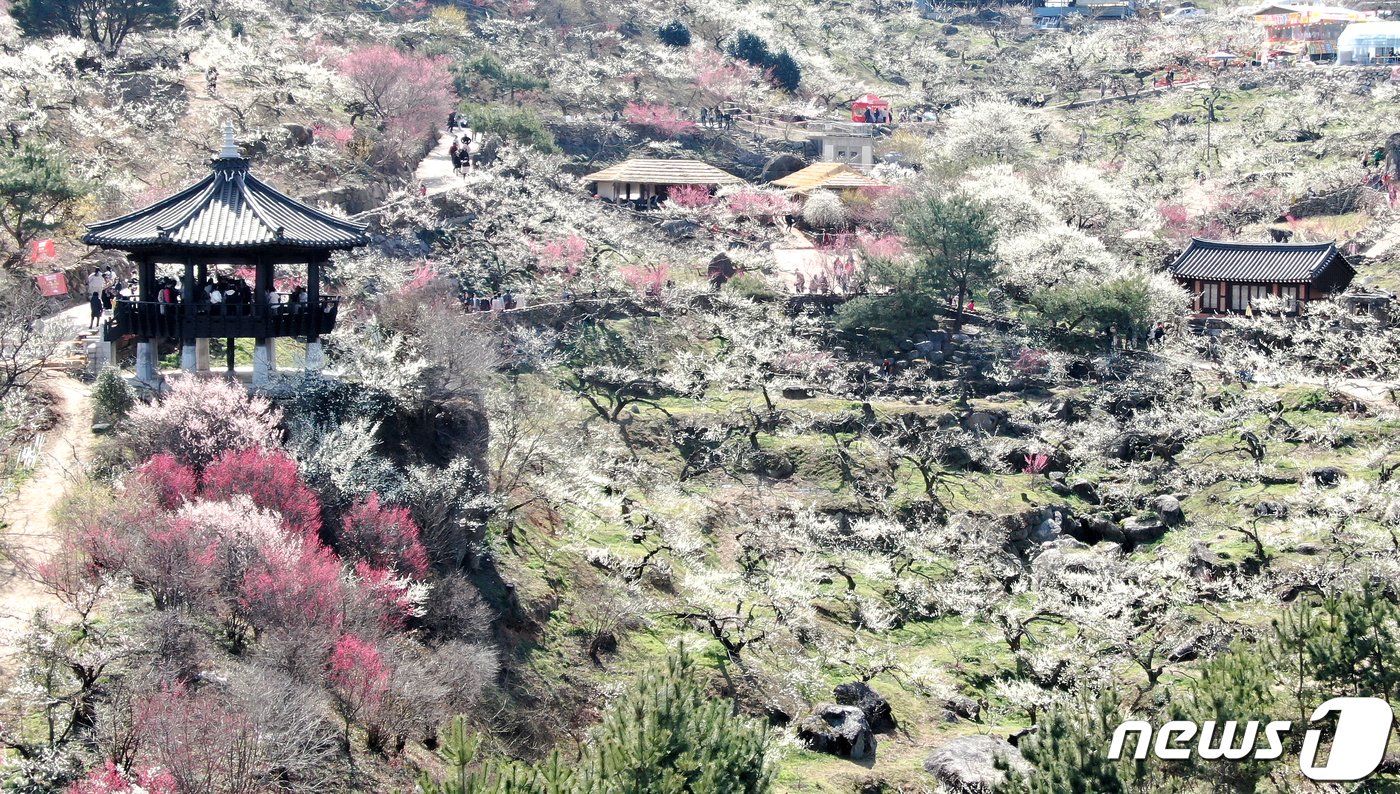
<point x="834" y="176"/>
<point x="664" y="172"/>
<point x="1283" y="263"/>
<point x="228" y="209"/>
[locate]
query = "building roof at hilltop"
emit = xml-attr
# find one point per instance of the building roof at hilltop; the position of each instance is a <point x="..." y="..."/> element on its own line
<point x="1284" y="263"/>
<point x="833" y="176"/>
<point x="228" y="210"/>
<point x="664" y="172"/>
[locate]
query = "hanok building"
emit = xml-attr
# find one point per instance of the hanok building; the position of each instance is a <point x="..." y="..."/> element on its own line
<point x="647" y="181"/>
<point x="826" y="176"/>
<point x="229" y="218"/>
<point x="1226" y="278"/>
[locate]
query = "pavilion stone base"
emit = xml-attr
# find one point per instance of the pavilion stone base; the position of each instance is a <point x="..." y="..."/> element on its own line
<point x="315" y="357"/>
<point x="264" y="361"/>
<point x="147" y="369"/>
<point x="194" y="357"/>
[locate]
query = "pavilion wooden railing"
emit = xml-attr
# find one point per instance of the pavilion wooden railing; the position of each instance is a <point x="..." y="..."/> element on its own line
<point x="221" y="321"/>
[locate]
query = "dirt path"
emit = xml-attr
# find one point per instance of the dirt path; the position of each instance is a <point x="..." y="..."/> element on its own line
<point x="28" y="534"/>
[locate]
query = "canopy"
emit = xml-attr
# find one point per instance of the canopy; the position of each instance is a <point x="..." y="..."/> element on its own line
<point x="870" y="101"/>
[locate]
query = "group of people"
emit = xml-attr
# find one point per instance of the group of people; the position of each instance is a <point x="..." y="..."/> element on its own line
<point x="495" y="303"/>
<point x="102" y="289"/>
<point x="464" y="146"/>
<point x="877" y="116"/>
<point x="717" y="118"/>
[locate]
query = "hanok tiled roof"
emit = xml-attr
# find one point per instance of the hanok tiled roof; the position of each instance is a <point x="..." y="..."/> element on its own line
<point x="664" y="172"/>
<point x="228" y="210"/>
<point x="834" y="176"/>
<point x="1284" y="263"/>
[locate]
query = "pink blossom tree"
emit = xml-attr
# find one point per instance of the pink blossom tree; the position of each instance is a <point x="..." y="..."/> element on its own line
<point x="660" y="119"/>
<point x="359" y="678"/>
<point x="384" y="536"/>
<point x="646" y="280"/>
<point x="690" y="196"/>
<point x="292" y="589"/>
<point x="108" y="779"/>
<point x="197" y="420"/>
<point x="406" y="95"/>
<point x="272" y="480"/>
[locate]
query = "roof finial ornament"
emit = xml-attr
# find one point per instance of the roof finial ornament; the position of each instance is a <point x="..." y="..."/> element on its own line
<point x="230" y="145"/>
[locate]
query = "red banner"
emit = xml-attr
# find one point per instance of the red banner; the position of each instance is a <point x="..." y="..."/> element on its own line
<point x="39" y="250"/>
<point x="53" y="285"/>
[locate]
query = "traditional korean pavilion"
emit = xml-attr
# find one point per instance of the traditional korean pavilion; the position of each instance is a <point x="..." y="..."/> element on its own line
<point x="1227" y="277"/>
<point x="229" y="218"/>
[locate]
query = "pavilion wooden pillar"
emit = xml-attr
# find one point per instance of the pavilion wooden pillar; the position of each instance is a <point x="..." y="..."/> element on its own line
<point x="147" y="347"/>
<point x="264" y="347"/>
<point x="315" y="356"/>
<point x="189" y="358"/>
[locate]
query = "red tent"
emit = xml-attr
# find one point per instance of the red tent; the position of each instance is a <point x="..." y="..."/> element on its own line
<point x="874" y="103"/>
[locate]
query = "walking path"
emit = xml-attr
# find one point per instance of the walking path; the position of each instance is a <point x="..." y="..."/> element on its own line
<point x="28" y="539"/>
<point x="434" y="173"/>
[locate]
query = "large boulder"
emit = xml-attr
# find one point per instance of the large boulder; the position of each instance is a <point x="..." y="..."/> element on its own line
<point x="970" y="764"/>
<point x="871" y="703"/>
<point x="838" y="730"/>
<point x="1168" y="510"/>
<point x="1138" y="531"/>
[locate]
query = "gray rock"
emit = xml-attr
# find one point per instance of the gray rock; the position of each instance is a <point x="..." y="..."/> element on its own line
<point x="797" y="393"/>
<point x="871" y="703"/>
<point x="1328" y="476"/>
<point x="964" y="707"/>
<point x="1271" y="509"/>
<point x="1206" y="564"/>
<point x="981" y="422"/>
<point x="1143" y="530"/>
<point x="1106" y="528"/>
<point x="970" y="763"/>
<point x="837" y="730"/>
<point x="1184" y="652"/>
<point x="1168" y="510"/>
<point x="1086" y="490"/>
<point x="1308" y="549"/>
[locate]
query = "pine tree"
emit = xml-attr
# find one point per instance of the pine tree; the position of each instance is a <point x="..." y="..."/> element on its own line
<point x="665" y="736"/>
<point x="674" y="34"/>
<point x="106" y="22"/>
<point x="785" y="72"/>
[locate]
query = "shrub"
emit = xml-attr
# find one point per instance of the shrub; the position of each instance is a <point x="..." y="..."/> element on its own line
<point x="824" y="210"/>
<point x="674" y="34"/>
<point x="112" y="397"/>
<point x="107" y="779"/>
<point x="197" y="420"/>
<point x="271" y="479"/>
<point x="383" y="536"/>
<point x="522" y="125"/>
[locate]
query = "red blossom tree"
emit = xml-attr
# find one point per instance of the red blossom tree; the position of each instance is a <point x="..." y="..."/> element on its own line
<point x="272" y="480"/>
<point x="291" y="589"/>
<point x="359" y="678"/>
<point x="107" y="779"/>
<point x="169" y="480"/>
<point x="384" y="536"/>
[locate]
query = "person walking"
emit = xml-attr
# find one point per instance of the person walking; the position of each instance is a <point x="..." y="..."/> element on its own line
<point x="455" y="152"/>
<point x="211" y="80"/>
<point x="1159" y="331"/>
